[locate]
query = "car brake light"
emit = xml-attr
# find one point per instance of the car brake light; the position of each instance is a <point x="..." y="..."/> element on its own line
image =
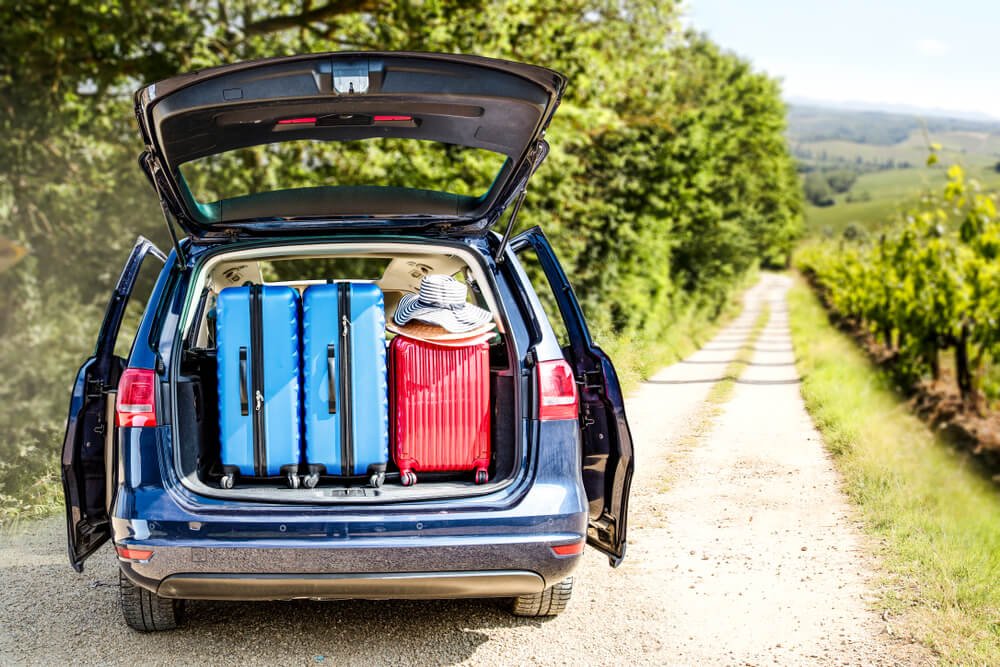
<point x="127" y="553"/>
<point x="387" y="119"/>
<point x="136" y="403"/>
<point x="574" y="549"/>
<point x="557" y="389"/>
<point x="297" y="121"/>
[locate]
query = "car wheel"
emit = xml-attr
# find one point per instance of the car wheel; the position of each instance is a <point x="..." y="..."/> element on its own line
<point x="550" y="602"/>
<point x="145" y="611"/>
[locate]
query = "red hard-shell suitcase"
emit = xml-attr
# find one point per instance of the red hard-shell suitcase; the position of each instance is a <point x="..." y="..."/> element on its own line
<point x="441" y="408"/>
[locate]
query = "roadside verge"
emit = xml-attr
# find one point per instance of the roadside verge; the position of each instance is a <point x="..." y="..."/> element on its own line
<point x="932" y="509"/>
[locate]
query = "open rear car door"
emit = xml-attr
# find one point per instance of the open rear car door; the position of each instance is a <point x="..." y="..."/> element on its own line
<point x="91" y="425"/>
<point x="607" y="443"/>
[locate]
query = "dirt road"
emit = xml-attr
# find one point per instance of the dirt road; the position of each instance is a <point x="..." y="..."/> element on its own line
<point x="742" y="551"/>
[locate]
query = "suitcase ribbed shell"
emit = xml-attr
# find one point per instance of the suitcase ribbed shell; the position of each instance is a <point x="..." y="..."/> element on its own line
<point x="441" y="405"/>
<point x="280" y="314"/>
<point x="370" y="411"/>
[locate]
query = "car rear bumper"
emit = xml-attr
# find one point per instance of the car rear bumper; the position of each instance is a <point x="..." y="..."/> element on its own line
<point x="440" y="568"/>
<point x="356" y="551"/>
<point x="381" y="586"/>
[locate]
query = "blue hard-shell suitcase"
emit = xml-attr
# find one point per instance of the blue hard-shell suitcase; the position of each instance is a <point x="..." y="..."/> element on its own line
<point x="344" y="370"/>
<point x="257" y="334"/>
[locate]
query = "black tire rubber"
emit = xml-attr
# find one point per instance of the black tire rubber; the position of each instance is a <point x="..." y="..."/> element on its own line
<point x="145" y="611"/>
<point x="550" y="602"/>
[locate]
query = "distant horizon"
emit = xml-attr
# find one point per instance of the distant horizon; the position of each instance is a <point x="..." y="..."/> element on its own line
<point x="889" y="108"/>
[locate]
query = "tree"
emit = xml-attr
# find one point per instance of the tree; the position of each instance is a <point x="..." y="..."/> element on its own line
<point x="817" y="189"/>
<point x="841" y="180"/>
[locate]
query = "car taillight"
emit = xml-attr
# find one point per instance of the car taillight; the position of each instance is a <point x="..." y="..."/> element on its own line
<point x="557" y="389"/>
<point x="572" y="549"/>
<point x="128" y="553"/>
<point x="136" y="403"/>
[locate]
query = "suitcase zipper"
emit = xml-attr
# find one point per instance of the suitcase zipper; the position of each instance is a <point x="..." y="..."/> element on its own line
<point x="346" y="404"/>
<point x="257" y="379"/>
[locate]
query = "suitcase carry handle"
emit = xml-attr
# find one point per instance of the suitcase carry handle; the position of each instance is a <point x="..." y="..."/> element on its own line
<point x="331" y="404"/>
<point x="244" y="402"/>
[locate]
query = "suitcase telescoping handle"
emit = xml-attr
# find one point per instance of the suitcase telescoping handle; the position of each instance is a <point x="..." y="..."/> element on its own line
<point x="331" y="403"/>
<point x="244" y="402"/>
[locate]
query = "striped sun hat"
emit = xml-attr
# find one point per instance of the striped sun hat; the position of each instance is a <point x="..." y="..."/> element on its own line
<point x="441" y="301"/>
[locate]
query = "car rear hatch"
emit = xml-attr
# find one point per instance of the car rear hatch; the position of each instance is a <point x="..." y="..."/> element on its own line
<point x="325" y="142"/>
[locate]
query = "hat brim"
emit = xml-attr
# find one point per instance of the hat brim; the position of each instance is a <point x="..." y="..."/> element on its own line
<point x="430" y="333"/>
<point x="459" y="320"/>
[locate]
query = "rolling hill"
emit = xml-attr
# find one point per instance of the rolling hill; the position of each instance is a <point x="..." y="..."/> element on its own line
<point x="889" y="151"/>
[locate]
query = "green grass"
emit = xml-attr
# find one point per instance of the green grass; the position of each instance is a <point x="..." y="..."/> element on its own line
<point x="42" y="497"/>
<point x="637" y="358"/>
<point x="890" y="191"/>
<point x="936" y="517"/>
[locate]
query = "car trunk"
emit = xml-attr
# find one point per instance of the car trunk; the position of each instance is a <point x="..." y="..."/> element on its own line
<point x="397" y="269"/>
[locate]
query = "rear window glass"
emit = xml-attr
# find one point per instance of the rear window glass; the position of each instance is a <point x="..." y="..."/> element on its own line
<point x="380" y="161"/>
<point x="325" y="268"/>
<point x="543" y="290"/>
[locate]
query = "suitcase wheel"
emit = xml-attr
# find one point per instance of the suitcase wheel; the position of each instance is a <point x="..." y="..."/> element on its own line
<point x="408" y="477"/>
<point x="311" y="480"/>
<point x="293" y="480"/>
<point x="377" y="479"/>
<point x="482" y="476"/>
<point x="227" y="481"/>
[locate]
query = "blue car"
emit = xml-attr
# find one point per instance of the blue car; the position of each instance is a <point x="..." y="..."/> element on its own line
<point x="379" y="166"/>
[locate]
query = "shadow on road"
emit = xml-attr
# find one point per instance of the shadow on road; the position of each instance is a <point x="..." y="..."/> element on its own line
<point x="48" y="610"/>
<point x="720" y="379"/>
<point x="709" y="348"/>
<point x="738" y="361"/>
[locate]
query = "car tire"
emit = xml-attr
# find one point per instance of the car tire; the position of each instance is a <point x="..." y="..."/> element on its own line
<point x="146" y="611"/>
<point x="550" y="602"/>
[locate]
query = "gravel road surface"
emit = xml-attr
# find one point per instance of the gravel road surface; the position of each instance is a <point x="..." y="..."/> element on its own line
<point x="742" y="550"/>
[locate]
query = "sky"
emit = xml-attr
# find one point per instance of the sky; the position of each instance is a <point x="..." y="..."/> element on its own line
<point x="930" y="55"/>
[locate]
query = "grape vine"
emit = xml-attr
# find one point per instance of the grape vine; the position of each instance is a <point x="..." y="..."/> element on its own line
<point x="928" y="286"/>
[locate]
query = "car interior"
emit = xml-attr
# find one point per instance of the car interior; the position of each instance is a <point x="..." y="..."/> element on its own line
<point x="397" y="269"/>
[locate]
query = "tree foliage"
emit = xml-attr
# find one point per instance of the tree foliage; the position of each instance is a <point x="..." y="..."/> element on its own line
<point x="841" y="180"/>
<point x="668" y="179"/>
<point x="817" y="189"/>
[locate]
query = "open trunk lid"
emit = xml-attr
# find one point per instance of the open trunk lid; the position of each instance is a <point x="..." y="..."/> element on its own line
<point x="342" y="140"/>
